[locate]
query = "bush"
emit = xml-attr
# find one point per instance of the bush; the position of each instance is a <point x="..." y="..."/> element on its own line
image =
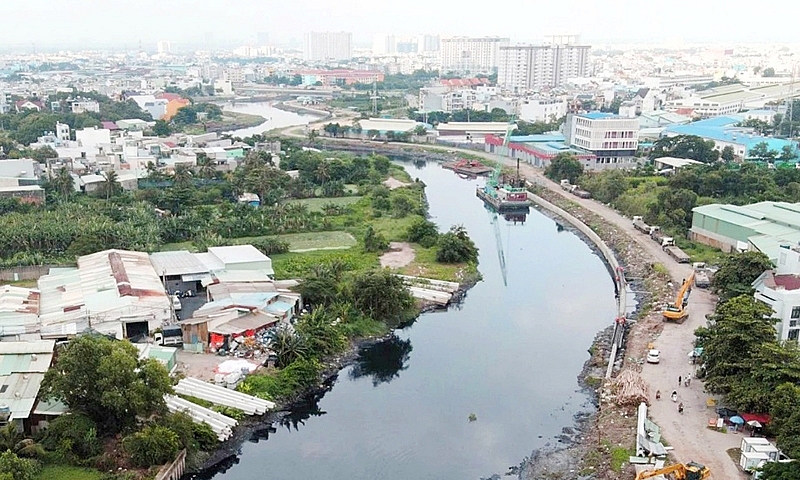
<point x="17" y="468"/>
<point x="374" y="242"/>
<point x="72" y="437"/>
<point x="191" y="436"/>
<point x="271" y="246"/>
<point x="153" y="445"/>
<point x="296" y="377"/>
<point x="455" y="246"/>
<point x="423" y="232"/>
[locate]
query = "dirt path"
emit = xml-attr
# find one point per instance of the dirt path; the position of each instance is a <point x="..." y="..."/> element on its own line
<point x="399" y="255"/>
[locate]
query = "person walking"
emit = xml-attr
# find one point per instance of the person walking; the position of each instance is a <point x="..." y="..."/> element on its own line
<point x="658" y="394"/>
<point x="679" y="380"/>
<point x="680" y="407"/>
<point x="674" y="396"/>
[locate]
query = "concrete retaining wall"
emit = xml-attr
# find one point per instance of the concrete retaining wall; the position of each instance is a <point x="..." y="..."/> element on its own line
<point x="611" y="260"/>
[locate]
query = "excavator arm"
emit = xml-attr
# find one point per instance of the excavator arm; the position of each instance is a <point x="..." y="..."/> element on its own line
<point x="677" y="311"/>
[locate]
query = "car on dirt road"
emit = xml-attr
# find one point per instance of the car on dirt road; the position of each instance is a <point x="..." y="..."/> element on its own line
<point x="653" y="356"/>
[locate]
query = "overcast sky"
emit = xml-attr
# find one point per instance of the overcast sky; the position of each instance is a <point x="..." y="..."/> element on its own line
<point x="103" y="23"/>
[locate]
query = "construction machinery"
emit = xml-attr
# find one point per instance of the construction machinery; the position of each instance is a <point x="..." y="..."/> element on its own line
<point x="677" y="311"/>
<point x="679" y="471"/>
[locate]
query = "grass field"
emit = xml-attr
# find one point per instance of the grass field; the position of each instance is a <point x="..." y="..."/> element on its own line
<point x="316" y="204"/>
<point x="425" y="265"/>
<point x="308" y="240"/>
<point x="64" y="472"/>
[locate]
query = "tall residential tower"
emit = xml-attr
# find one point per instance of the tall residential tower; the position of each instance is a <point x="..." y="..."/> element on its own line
<point x="324" y="46"/>
<point x="531" y="67"/>
<point x="471" y="55"/>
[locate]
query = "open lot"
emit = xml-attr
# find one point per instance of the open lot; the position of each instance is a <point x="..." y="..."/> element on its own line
<point x="307" y="241"/>
<point x="316" y="204"/>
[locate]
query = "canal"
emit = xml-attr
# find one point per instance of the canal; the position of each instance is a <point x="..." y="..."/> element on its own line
<point x="273" y="117"/>
<point x="510" y="354"/>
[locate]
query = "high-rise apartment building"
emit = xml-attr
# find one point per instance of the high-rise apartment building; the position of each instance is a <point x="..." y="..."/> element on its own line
<point x="428" y="43"/>
<point x="322" y="46"/>
<point x="471" y="55"/>
<point x="527" y="67"/>
<point x="164" y="47"/>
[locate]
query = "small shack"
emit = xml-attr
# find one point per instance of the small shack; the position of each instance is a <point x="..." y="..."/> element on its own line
<point x="180" y="270"/>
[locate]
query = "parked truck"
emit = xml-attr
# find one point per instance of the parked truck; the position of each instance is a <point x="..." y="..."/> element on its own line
<point x="702" y="275"/>
<point x="679" y="255"/>
<point x="638" y="224"/>
<point x="662" y="238"/>
<point x="574" y="189"/>
<point x="169" y="335"/>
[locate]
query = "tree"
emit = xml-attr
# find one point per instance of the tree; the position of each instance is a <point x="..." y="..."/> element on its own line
<point x="15" y="468"/>
<point x="787" y="153"/>
<point x="40" y="154"/>
<point x="110" y="186"/>
<point x="673" y="208"/>
<point x="781" y="471"/>
<point x="768" y="72"/>
<point x="382" y="296"/>
<point x="63" y="184"/>
<point x="727" y="153"/>
<point x="455" y="246"/>
<point x="738" y="272"/>
<point x="205" y="166"/>
<point x="686" y="146"/>
<point x="786" y="418"/>
<point x="319" y="333"/>
<point x="73" y="437"/>
<point x="564" y="166"/>
<point x="373" y="134"/>
<point x="761" y="151"/>
<point x="162" y="129"/>
<point x="736" y="331"/>
<point x="420" y="130"/>
<point x="373" y="241"/>
<point x="424" y="232"/>
<point x="106" y="380"/>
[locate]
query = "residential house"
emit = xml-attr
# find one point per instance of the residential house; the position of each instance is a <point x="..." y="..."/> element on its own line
<point x="23" y="367"/>
<point x="29" y="105"/>
<point x="780" y="289"/>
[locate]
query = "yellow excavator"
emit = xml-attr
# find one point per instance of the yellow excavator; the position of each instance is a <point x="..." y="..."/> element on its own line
<point x="677" y="312"/>
<point x="679" y="471"/>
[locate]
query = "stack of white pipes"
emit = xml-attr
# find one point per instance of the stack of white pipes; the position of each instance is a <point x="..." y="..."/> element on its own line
<point x="219" y="423"/>
<point x="222" y="396"/>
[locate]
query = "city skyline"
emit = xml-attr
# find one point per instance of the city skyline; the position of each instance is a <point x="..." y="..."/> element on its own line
<point x="113" y="23"/>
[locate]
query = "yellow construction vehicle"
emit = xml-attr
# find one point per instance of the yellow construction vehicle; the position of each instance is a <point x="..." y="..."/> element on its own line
<point x="689" y="471"/>
<point x="677" y="312"/>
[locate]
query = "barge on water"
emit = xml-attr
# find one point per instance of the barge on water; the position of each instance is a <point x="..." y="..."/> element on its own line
<point x="503" y="197"/>
<point x="467" y="167"/>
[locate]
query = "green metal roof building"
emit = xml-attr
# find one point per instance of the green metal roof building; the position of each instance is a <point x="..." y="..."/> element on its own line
<point x="763" y="226"/>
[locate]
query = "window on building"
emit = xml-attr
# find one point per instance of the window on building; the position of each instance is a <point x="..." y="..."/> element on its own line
<point x="794" y="334"/>
<point x="792" y="323"/>
<point x="795" y="312"/>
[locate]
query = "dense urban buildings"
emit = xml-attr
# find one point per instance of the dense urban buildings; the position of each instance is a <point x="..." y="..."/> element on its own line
<point x="530" y="67"/>
<point x="471" y="55"/>
<point x="323" y="46"/>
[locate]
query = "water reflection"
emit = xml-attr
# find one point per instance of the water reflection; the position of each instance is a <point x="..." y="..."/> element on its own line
<point x="383" y="361"/>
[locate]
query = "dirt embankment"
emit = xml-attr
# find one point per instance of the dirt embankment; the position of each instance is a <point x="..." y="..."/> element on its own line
<point x="588" y="450"/>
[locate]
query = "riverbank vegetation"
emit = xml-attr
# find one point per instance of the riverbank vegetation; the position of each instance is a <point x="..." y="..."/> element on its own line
<point x="117" y="428"/>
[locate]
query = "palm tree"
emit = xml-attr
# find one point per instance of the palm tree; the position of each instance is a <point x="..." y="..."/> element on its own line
<point x="205" y="167"/>
<point x="11" y="440"/>
<point x="63" y="183"/>
<point x="182" y="175"/>
<point x="110" y="185"/>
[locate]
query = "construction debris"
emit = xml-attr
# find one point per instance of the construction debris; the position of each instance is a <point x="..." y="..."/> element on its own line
<point x="628" y="388"/>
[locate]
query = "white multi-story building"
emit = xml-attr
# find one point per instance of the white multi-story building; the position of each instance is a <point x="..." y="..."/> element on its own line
<point x="542" y="110"/>
<point x="83" y="105"/>
<point x="780" y="289"/>
<point x="164" y="47"/>
<point x="471" y="55"/>
<point x="324" y="46"/>
<point x="528" y="67"/>
<point x="611" y="138"/>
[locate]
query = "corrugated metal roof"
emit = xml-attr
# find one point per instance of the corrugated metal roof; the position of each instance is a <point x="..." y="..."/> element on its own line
<point x="242" y="324"/>
<point x="19" y="300"/>
<point x="177" y="263"/>
<point x="19" y="392"/>
<point x="234" y="254"/>
<point x="106" y="286"/>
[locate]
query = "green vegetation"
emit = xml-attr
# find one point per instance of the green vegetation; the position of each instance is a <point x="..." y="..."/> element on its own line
<point x="67" y="472"/>
<point x="746" y="363"/>
<point x="737" y="274"/>
<point x="564" y="166"/>
<point x="456" y="247"/>
<point x="322" y="205"/>
<point x="305" y="241"/>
